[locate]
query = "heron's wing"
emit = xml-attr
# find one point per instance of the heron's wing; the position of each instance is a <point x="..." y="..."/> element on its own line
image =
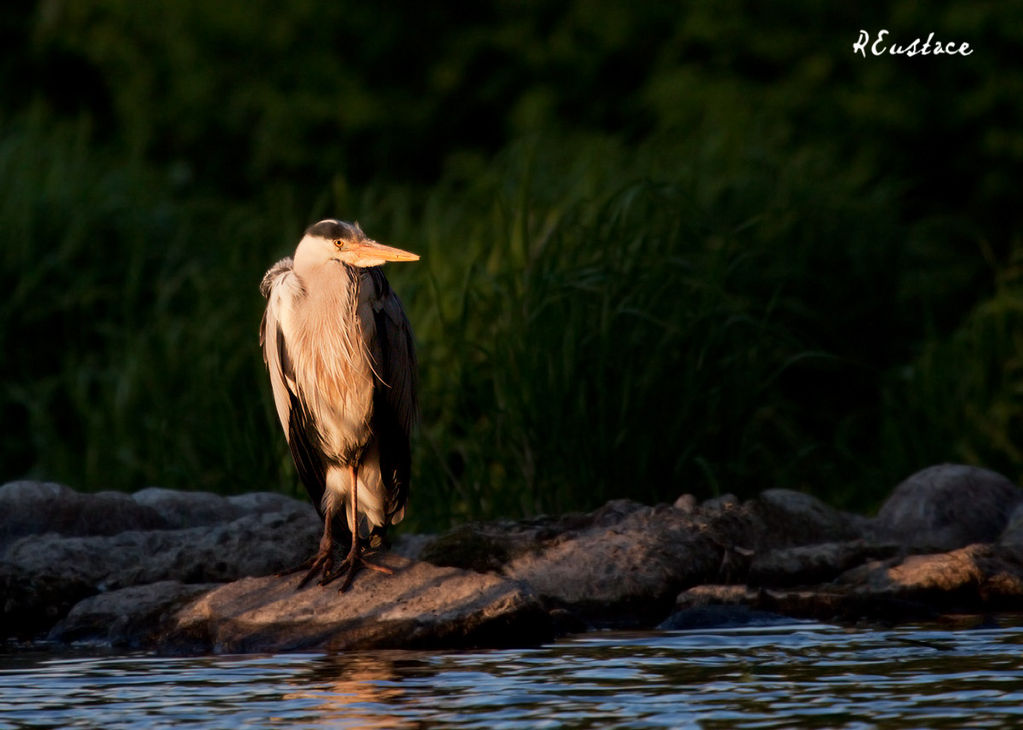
<point x="395" y="406"/>
<point x="282" y="287"/>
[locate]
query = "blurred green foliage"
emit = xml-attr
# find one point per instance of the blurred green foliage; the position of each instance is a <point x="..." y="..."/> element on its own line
<point x="665" y="247"/>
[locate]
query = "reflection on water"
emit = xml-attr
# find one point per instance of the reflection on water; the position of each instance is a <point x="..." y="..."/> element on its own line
<point x="358" y="692"/>
<point x="806" y="675"/>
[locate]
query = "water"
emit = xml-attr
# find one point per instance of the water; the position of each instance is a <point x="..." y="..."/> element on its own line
<point x="803" y="675"/>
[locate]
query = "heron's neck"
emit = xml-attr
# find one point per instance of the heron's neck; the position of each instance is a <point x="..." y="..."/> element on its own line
<point x="332" y="293"/>
<point x="329" y="280"/>
<point x="331" y="334"/>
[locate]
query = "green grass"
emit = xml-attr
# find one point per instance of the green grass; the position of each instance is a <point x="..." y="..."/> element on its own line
<point x="630" y="286"/>
<point x="130" y="327"/>
<point x="962" y="398"/>
<point x="647" y="326"/>
<point x="715" y="313"/>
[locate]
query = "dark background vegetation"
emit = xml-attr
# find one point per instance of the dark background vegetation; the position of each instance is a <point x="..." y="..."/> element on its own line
<point x="665" y="247"/>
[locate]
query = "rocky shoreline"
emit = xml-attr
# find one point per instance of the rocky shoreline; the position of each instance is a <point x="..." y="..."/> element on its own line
<point x="192" y="573"/>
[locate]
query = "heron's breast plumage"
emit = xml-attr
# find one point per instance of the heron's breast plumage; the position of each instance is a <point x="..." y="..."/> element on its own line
<point x="334" y="370"/>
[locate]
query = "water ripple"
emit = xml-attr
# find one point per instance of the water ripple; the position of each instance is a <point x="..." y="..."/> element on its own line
<point x="805" y="675"/>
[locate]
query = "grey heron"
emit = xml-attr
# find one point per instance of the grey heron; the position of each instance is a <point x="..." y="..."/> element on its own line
<point x="342" y="365"/>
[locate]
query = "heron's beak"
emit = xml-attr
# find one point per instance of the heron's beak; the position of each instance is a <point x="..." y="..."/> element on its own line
<point x="371" y="253"/>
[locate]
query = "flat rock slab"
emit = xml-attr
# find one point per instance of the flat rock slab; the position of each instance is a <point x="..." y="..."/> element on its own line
<point x="420" y="606"/>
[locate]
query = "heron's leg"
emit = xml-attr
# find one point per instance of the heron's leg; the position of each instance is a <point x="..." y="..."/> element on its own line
<point x="355" y="559"/>
<point x="323" y="561"/>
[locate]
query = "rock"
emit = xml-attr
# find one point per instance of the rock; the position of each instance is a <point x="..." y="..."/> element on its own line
<point x="865" y="574"/>
<point x="34" y="508"/>
<point x="565" y="622"/>
<point x="128" y="618"/>
<point x="808" y="564"/>
<point x="197" y="509"/>
<point x="630" y="569"/>
<point x="947" y="507"/>
<point x="713" y="595"/>
<point x="411" y="546"/>
<point x="32" y="603"/>
<point x="721" y="502"/>
<point x="794" y="518"/>
<point x="972" y="579"/>
<point x="1013" y="532"/>
<point x="420" y="606"/>
<point x="479" y="546"/>
<point x="136" y="571"/>
<point x="624" y="563"/>
<point x="610" y="514"/>
<point x="820" y="603"/>
<point x="42" y="576"/>
<point x="966" y="578"/>
<point x="778" y="518"/>
<point x="187" y="509"/>
<point x="488" y="546"/>
<point x="264" y="502"/>
<point x="686" y="504"/>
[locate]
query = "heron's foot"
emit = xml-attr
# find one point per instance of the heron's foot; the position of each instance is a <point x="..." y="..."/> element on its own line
<point x="354" y="561"/>
<point x="322" y="563"/>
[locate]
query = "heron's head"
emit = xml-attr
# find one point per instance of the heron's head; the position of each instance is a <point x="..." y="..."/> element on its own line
<point x="334" y="240"/>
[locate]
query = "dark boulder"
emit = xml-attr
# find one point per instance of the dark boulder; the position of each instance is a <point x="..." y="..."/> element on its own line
<point x="127" y="618"/>
<point x="43" y="576"/>
<point x="180" y="510"/>
<point x="946" y="507"/>
<point x="810" y="564"/>
<point x="34" y="508"/>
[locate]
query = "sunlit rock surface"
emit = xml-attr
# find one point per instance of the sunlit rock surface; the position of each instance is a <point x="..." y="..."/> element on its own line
<point x="194" y="573"/>
<point x="419" y="606"/>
